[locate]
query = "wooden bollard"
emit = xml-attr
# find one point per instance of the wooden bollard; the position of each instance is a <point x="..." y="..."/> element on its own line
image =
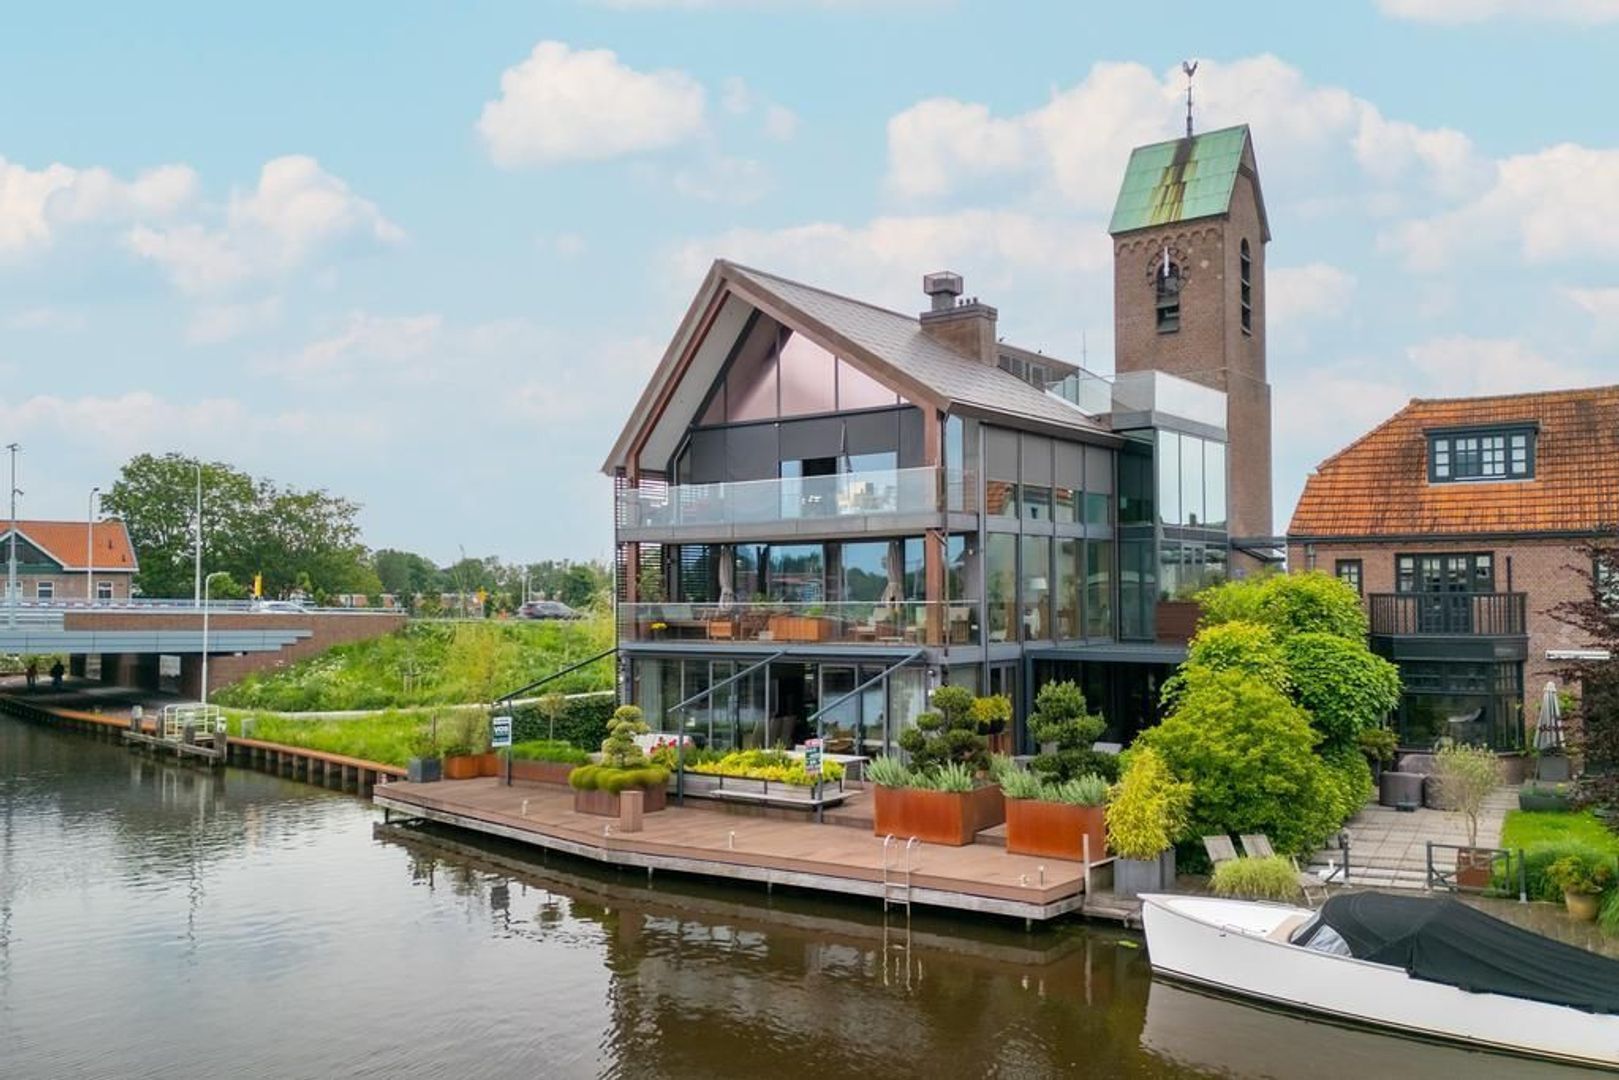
<point x="631" y="805"/>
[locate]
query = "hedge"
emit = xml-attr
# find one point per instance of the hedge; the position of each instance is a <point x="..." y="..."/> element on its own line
<point x="582" y="722"/>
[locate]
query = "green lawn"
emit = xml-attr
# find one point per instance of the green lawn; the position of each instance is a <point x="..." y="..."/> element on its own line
<point x="1531" y="828"/>
<point x="388" y="737"/>
<point x="433" y="663"/>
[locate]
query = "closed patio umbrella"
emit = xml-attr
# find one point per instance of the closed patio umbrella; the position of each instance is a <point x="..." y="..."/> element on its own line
<point x="727" y="578"/>
<point x="894" y="591"/>
<point x="1549" y="732"/>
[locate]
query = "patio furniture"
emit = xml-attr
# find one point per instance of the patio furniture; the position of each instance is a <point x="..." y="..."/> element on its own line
<point x="1220" y="849"/>
<point x="1401" y="790"/>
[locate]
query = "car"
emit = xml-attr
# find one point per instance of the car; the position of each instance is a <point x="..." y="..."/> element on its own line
<point x="547" y="609"/>
<point x="279" y="607"/>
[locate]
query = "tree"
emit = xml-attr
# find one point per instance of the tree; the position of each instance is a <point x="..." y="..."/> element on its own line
<point x="1344" y="687"/>
<point x="1062" y="718"/>
<point x="1288" y="604"/>
<point x="405" y="574"/>
<point x="947" y="733"/>
<point x="1238" y="645"/>
<point x="1249" y="754"/>
<point x="1594" y="723"/>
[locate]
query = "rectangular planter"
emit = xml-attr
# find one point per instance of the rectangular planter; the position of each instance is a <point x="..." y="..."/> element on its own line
<point x="605" y="803"/>
<point x="937" y="817"/>
<point x="541" y="772"/>
<point x="1055" y="830"/>
<point x="1132" y="877"/>
<point x="424" y="770"/>
<point x="490" y="765"/>
<point x="463" y="767"/>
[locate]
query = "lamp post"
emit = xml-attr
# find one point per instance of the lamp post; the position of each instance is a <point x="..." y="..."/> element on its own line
<point x="197" y="595"/>
<point x="90" y="549"/>
<point x="207" y="584"/>
<point x="11" y="559"/>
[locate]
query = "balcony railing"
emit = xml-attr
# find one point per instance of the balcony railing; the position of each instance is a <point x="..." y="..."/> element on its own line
<point x="907" y="622"/>
<point x="926" y="490"/>
<point x="1482" y="614"/>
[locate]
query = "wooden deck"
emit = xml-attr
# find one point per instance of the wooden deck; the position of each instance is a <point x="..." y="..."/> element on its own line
<point x="712" y="843"/>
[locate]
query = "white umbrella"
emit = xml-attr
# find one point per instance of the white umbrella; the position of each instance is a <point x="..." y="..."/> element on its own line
<point x="894" y="591"/>
<point x="1549" y="732"/>
<point x="727" y="578"/>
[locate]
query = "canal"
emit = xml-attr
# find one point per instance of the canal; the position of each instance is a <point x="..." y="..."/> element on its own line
<point x="166" y="922"/>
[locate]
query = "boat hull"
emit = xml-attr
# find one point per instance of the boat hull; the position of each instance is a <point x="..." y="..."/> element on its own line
<point x="1222" y="945"/>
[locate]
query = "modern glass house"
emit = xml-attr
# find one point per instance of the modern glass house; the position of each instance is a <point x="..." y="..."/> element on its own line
<point x="826" y="508"/>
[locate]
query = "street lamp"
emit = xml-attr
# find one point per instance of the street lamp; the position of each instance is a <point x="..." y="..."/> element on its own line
<point x="90" y="549"/>
<point x="207" y="584"/>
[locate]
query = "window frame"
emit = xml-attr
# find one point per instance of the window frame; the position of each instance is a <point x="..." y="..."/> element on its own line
<point x="1356" y="575"/>
<point x="1450" y="448"/>
<point x="44" y="590"/>
<point x="1167" y="304"/>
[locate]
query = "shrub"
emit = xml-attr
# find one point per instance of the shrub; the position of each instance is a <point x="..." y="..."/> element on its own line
<point x="773" y="765"/>
<point x="1312" y="602"/>
<point x="992" y="714"/>
<point x="1247" y="752"/>
<point x="547" y="750"/>
<point x="1581" y="874"/>
<point x="1538" y="860"/>
<point x="1272" y="878"/>
<point x="1148" y="808"/>
<point x="1608" y="919"/>
<point x="582" y="721"/>
<point x="1378" y="742"/>
<point x="1061" y="717"/>
<point x="1021" y="784"/>
<point x="889" y="772"/>
<point x="1350" y="776"/>
<point x="464" y="733"/>
<point x="951" y="776"/>
<point x="1087" y="790"/>
<point x="1237" y="645"/>
<point x="1466" y="775"/>
<point x="619" y="749"/>
<point x="948" y="733"/>
<point x="1345" y="687"/>
<point x="615" y="780"/>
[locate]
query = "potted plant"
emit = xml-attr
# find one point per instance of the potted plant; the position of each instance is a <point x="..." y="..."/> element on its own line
<point x="545" y="761"/>
<point x="1583" y="881"/>
<point x="1147" y="811"/>
<point x="1379" y="745"/>
<point x="993" y="714"/>
<point x="424" y="766"/>
<point x="938" y="798"/>
<point x="1055" y="819"/>
<point x="464" y="747"/>
<point x="1465" y="776"/>
<point x="1540" y="795"/>
<point x="623" y="767"/>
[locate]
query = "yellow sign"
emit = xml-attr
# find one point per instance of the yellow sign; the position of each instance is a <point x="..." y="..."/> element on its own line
<point x="258" y="586"/>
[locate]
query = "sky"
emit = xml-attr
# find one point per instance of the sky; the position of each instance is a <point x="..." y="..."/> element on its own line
<point x="425" y="255"/>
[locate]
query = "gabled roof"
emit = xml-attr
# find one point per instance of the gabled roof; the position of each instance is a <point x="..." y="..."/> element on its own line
<point x="888" y="345"/>
<point x="1183" y="180"/>
<point x="64" y="541"/>
<point x="1378" y="485"/>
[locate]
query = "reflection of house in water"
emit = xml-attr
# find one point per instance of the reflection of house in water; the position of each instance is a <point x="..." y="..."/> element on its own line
<point x="825" y="507"/>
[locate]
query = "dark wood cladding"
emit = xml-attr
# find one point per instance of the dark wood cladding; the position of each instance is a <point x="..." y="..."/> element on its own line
<point x="1448" y="613"/>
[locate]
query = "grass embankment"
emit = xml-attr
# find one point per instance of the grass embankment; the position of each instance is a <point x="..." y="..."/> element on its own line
<point x="389" y="737"/>
<point x="433" y="664"/>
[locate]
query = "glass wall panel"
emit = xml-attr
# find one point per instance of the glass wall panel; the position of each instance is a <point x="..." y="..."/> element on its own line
<point x="750" y="386"/>
<point x="1035" y="501"/>
<point x="840" y="723"/>
<point x="1169" y="478"/>
<point x="1138" y="589"/>
<point x="1135" y="483"/>
<point x="1001" y="464"/>
<point x="865" y="571"/>
<point x="1036" y="592"/>
<point x="907" y="699"/>
<point x="749" y="577"/>
<point x="1214" y="483"/>
<point x="1068" y="482"/>
<point x="808" y="374"/>
<point x="915" y="568"/>
<point x="1098" y="509"/>
<point x="1066" y="588"/>
<point x="1099" y="589"/>
<point x="797" y="573"/>
<point x="1000" y="576"/>
<point x="857" y="390"/>
<point x="1192" y="480"/>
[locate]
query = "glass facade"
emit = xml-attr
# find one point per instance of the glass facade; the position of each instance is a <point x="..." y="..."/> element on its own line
<point x="1036" y="591"/>
<point x="1000" y="586"/>
<point x="1191" y="481"/>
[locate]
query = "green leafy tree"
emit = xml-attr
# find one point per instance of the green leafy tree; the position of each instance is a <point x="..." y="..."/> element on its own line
<point x="1248" y="753"/>
<point x="1238" y="645"/>
<point x="1148" y="810"/>
<point x="1288" y="604"/>
<point x="946" y="734"/>
<point x="1062" y="719"/>
<point x="1342" y="684"/>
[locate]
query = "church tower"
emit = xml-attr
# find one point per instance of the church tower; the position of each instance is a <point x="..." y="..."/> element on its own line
<point x="1189" y="235"/>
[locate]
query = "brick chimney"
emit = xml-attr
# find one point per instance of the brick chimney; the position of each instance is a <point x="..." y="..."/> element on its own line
<point x="967" y="326"/>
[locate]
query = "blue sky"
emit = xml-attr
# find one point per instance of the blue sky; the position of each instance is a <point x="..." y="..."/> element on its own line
<point x="424" y="256"/>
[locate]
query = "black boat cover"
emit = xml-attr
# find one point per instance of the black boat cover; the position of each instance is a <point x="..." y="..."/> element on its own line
<point x="1446" y="941"/>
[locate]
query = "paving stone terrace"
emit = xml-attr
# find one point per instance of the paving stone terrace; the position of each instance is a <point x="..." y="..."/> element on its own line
<point x="978" y="877"/>
<point x="1388" y="847"/>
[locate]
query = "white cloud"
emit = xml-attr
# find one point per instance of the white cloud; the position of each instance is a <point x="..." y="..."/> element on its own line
<point x="1315" y="290"/>
<point x="1462" y="366"/>
<point x="1077" y="142"/>
<point x="781" y="123"/>
<point x="399" y="348"/>
<point x="296" y="211"/>
<point x="1553" y="204"/>
<point x="562" y="104"/>
<point x="1473" y="11"/>
<point x="34" y="202"/>
<point x="218" y="323"/>
<point x="1602" y="304"/>
<point x="723" y="180"/>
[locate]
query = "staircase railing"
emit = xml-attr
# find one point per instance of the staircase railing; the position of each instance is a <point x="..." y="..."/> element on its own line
<point x="506" y="699"/>
<point x="680" y="732"/>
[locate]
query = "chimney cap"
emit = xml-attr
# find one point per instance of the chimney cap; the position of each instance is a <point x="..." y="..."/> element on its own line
<point x="947" y="282"/>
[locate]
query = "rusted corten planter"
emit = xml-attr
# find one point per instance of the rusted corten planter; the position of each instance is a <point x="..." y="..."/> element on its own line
<point x="1055" y="830"/>
<point x="937" y="817"/>
<point x="463" y="767"/>
<point x="605" y="803"/>
<point x="490" y="765"/>
<point x="541" y="772"/>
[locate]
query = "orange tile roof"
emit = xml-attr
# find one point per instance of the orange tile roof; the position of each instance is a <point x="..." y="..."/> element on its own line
<point x="64" y="542"/>
<point x="1378" y="484"/>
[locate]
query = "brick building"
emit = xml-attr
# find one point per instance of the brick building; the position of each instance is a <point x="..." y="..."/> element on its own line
<point x="70" y="560"/>
<point x="1460" y="521"/>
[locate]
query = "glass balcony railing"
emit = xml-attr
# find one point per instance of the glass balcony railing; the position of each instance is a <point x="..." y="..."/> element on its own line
<point x="925" y="490"/>
<point x="905" y="622"/>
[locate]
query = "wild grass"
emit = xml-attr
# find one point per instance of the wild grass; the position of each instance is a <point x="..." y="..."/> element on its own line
<point x="1272" y="878"/>
<point x="433" y="663"/>
<point x="390" y="737"/>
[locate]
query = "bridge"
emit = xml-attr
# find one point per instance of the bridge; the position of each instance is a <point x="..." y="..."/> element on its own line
<point x="130" y="638"/>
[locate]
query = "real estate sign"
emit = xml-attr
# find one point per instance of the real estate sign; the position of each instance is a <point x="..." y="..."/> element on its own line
<point x="500" y="732"/>
<point x="812" y="758"/>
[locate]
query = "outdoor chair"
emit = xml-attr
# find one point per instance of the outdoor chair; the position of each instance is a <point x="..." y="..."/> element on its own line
<point x="1257" y="846"/>
<point x="1219" y="849"/>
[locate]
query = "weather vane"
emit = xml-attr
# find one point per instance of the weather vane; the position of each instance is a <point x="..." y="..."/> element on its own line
<point x="1190" y="67"/>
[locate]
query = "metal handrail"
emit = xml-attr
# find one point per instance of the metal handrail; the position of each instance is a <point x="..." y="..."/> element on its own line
<point x="680" y="734"/>
<point x="570" y="669"/>
<point x="820" y="734"/>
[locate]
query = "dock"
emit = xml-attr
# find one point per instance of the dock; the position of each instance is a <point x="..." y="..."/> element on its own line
<point x="976" y="878"/>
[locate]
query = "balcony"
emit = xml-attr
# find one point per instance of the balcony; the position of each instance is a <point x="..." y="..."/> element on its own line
<point x="1453" y="614"/>
<point x="905" y="623"/>
<point x="845" y="502"/>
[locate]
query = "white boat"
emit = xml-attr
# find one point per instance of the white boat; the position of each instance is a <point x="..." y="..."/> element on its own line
<point x="1434" y="968"/>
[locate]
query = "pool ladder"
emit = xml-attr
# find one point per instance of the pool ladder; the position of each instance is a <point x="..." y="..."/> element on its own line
<point x="897" y="866"/>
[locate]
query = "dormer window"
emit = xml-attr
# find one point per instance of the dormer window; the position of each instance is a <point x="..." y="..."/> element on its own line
<point x="1169" y="297"/>
<point x="1481" y="454"/>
